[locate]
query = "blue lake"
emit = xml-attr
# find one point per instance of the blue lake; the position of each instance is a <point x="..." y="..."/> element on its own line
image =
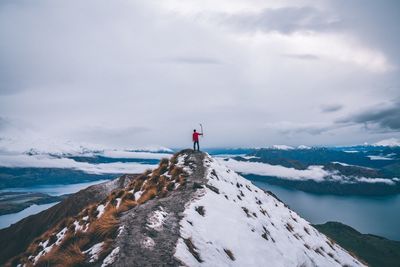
<point x="8" y="219"/>
<point x="53" y="190"/>
<point x="372" y="215"/>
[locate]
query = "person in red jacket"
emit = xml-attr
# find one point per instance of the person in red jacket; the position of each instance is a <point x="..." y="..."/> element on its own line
<point x="195" y="138"/>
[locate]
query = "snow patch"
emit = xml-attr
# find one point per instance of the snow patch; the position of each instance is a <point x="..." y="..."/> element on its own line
<point x="100" y="209"/>
<point x="274" y="235"/>
<point x="138" y="194"/>
<point x="94" y="251"/>
<point x="148" y="242"/>
<point x="118" y="202"/>
<point x="60" y="235"/>
<point x="157" y="219"/>
<point x="78" y="227"/>
<point x="181" y="163"/>
<point x="120" y="230"/>
<point x="111" y="257"/>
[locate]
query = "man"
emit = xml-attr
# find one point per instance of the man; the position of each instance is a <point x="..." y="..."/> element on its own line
<point x="196" y="140"/>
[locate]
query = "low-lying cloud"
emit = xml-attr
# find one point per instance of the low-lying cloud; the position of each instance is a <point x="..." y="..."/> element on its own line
<point x="313" y="173"/>
<point x="41" y="161"/>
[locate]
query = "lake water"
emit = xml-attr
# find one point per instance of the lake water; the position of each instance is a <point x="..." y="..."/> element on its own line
<point x="373" y="215"/>
<point x="53" y="190"/>
<point x="8" y="219"/>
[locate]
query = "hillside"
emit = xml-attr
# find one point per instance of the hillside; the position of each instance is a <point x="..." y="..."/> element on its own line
<point x="375" y="250"/>
<point x="16" y="238"/>
<point x="192" y="211"/>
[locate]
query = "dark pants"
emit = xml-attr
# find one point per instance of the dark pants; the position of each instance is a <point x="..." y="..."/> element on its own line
<point x="194" y="145"/>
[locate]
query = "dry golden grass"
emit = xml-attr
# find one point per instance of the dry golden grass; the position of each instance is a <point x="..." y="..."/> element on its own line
<point x="105" y="228"/>
<point x="106" y="225"/>
<point x="92" y="211"/>
<point x="150" y="193"/>
<point x="176" y="171"/>
<point x="126" y="204"/>
<point x="182" y="180"/>
<point x="174" y="159"/>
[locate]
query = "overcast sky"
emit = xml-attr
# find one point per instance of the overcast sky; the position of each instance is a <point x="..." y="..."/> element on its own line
<point x="255" y="73"/>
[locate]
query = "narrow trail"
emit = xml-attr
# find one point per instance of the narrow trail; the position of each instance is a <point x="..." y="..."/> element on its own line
<point x="144" y="246"/>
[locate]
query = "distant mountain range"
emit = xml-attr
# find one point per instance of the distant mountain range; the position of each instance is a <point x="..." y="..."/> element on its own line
<point x="376" y="251"/>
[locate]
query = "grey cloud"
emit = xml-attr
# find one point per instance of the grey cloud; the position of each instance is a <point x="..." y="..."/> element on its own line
<point x="193" y="60"/>
<point x="331" y="108"/>
<point x="3" y="123"/>
<point x="384" y="117"/>
<point x="134" y="63"/>
<point x="103" y="134"/>
<point x="286" y="20"/>
<point x="289" y="128"/>
<point x="301" y="56"/>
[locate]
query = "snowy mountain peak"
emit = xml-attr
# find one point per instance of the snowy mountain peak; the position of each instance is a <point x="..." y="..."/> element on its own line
<point x="194" y="211"/>
<point x="391" y="142"/>
<point x="282" y="147"/>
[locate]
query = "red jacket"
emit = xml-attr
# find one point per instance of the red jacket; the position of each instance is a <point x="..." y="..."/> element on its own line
<point x="196" y="136"/>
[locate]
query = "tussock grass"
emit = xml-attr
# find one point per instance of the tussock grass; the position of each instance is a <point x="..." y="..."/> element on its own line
<point x="150" y="193"/>
<point x="229" y="254"/>
<point x="153" y="183"/>
<point x="289" y="227"/>
<point x="192" y="249"/>
<point x="106" y="225"/>
<point x="127" y="204"/>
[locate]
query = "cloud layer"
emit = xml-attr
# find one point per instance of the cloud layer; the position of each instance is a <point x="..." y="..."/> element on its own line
<point x="312" y="173"/>
<point x="133" y="73"/>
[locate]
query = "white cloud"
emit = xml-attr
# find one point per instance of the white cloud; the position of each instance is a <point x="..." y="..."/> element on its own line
<point x="43" y="161"/>
<point x="334" y="47"/>
<point x="314" y="173"/>
<point x="134" y="155"/>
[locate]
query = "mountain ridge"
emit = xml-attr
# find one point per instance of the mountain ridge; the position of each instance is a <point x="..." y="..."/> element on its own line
<point x="178" y="214"/>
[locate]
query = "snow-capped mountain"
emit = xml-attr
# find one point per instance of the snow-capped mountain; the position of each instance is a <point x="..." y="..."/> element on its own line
<point x="391" y="142"/>
<point x="192" y="210"/>
<point x="282" y="147"/>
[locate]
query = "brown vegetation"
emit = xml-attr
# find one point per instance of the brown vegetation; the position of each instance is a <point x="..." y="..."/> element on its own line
<point x="156" y="183"/>
<point x="289" y="227"/>
<point x="200" y="210"/>
<point x="229" y="254"/>
<point x="192" y="249"/>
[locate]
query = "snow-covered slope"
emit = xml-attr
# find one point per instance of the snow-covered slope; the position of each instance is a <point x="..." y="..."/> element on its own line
<point x="192" y="211"/>
<point x="233" y="223"/>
